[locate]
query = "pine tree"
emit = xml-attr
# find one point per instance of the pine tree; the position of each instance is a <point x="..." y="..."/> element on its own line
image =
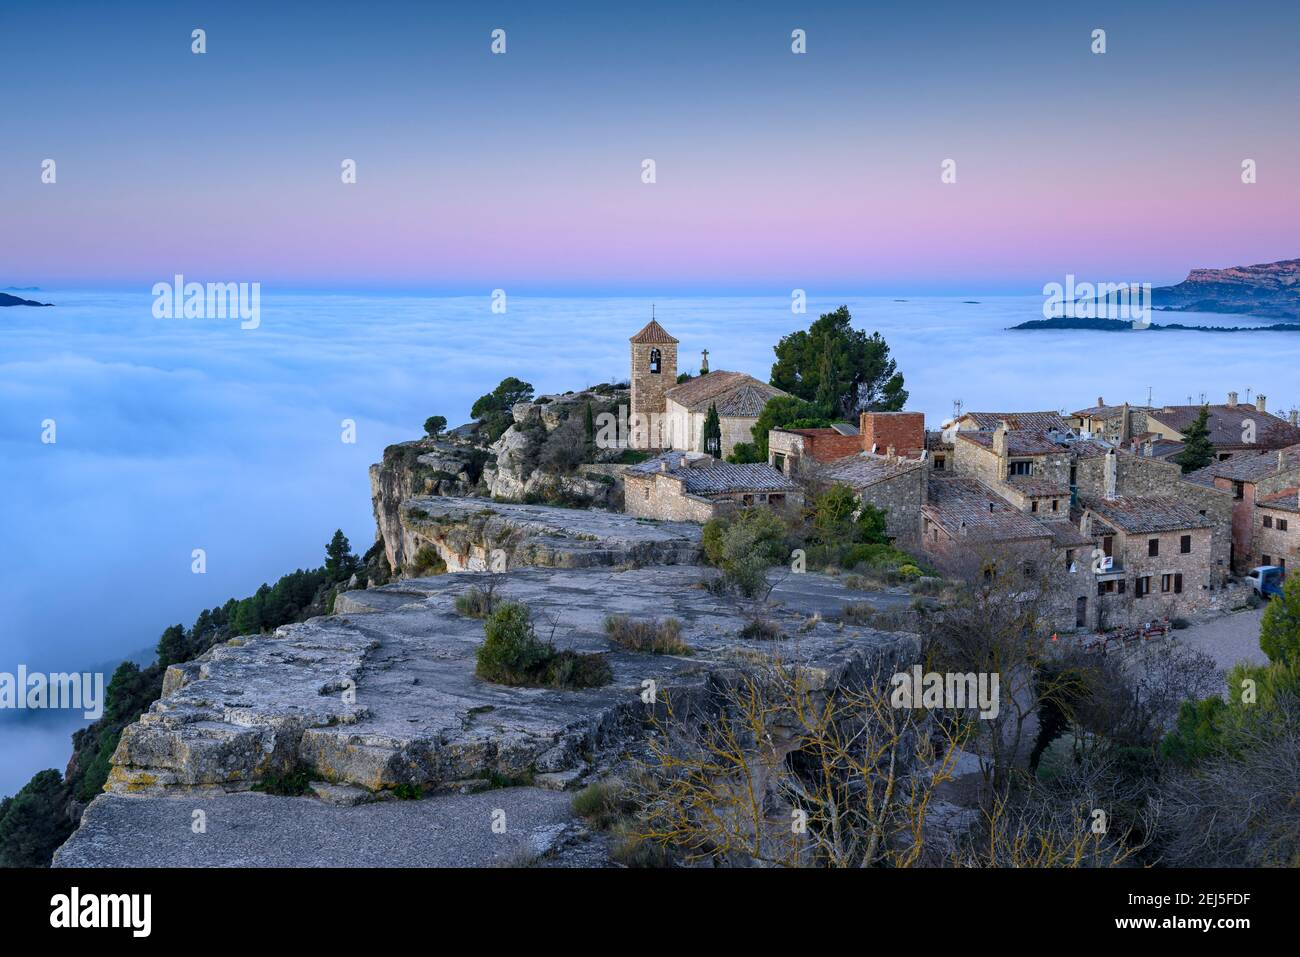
<point x="1197" y="451"/>
<point x="712" y="439"/>
<point x="171" y="646"/>
<point x="339" y="560"/>
<point x="589" y="430"/>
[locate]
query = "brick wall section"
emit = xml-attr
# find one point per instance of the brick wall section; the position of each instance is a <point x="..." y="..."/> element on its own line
<point x="905" y="431"/>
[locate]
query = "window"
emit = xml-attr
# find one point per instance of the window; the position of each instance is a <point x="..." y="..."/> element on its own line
<point x="654" y="361"/>
<point x="1281" y="525"/>
<point x="778" y="461"/>
<point x="1281" y="563"/>
<point x="938" y="463"/>
<point x="1178" y="583"/>
<point x="1020" y="468"/>
<point x="1033" y="506"/>
<point x="1238" y="489"/>
<point x="1185" y="544"/>
<point x="1142" y="586"/>
<point x="1121" y="586"/>
<point x="1268" y="521"/>
<point x="1153" y="547"/>
<point x="1264" y="560"/>
<point x="1069" y="557"/>
<point x="1055" y="505"/>
<point x="1108" y="545"/>
<point x="1166" y="583"/>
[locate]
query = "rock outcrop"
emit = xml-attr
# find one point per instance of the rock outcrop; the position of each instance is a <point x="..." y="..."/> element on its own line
<point x="1271" y="290"/>
<point x="383" y="696"/>
<point x="466" y="531"/>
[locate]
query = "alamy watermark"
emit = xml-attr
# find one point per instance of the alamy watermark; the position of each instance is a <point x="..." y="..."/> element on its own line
<point x="1103" y="300"/>
<point x="214" y="300"/>
<point x="55" y="691"/>
<point x="932" y="690"/>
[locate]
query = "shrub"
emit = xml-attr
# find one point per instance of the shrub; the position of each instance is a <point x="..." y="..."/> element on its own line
<point x="290" y="784"/>
<point x="476" y="602"/>
<point x="512" y="654"/>
<point x="427" y="561"/>
<point x="858" y="613"/>
<point x="656" y="637"/>
<point x="744" y="547"/>
<point x="761" y="629"/>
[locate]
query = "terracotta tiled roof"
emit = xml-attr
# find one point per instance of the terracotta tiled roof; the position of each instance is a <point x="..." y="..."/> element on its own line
<point x="1017" y="420"/>
<point x="1019" y="441"/>
<point x="1287" y="500"/>
<point x="653" y="332"/>
<point x="865" y="469"/>
<point x="1146" y="513"/>
<point x="967" y="507"/>
<point x="705" y="475"/>
<point x="1226" y="424"/>
<point x="725" y="389"/>
<point x="1034" y="486"/>
<point x="1246" y="467"/>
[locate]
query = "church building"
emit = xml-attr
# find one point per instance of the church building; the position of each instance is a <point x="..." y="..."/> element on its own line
<point x="669" y="415"/>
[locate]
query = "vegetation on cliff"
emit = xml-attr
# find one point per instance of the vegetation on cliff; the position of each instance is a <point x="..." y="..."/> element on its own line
<point x="35" y="821"/>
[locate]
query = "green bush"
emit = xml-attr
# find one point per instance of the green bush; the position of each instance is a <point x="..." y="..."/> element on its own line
<point x="427" y="561"/>
<point x="744" y="546"/>
<point x="512" y="654"/>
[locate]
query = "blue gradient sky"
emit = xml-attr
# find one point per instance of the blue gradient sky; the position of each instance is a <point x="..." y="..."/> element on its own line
<point x="523" y="171"/>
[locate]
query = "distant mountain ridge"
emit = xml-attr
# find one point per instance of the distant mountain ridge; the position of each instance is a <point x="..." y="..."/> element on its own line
<point x="8" y="300"/>
<point x="1270" y="290"/>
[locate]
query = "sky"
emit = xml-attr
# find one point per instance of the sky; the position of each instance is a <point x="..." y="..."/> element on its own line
<point x="523" y="171"/>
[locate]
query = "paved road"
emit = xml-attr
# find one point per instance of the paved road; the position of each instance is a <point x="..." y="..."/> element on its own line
<point x="1232" y="638"/>
<point x="260" y="830"/>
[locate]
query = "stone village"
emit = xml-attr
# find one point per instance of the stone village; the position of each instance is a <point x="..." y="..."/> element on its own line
<point x="1094" y="492"/>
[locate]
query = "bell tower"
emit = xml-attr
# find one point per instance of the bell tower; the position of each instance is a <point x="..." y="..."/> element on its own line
<point x="654" y="372"/>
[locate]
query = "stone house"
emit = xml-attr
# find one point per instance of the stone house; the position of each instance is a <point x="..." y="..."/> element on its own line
<point x="1029" y="467"/>
<point x="739" y="398"/>
<point x="1234" y="426"/>
<point x="1103" y="472"/>
<point x="1277" y="529"/>
<point x="890" y="482"/>
<point x="1116" y="424"/>
<point x="1245" y="479"/>
<point x="692" y="486"/>
<point x="988" y="421"/>
<point x="1155" y="558"/>
<point x="968" y="528"/>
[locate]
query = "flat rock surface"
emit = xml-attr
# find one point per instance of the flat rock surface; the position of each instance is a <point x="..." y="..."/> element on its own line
<point x="258" y="830"/>
<point x="383" y="695"/>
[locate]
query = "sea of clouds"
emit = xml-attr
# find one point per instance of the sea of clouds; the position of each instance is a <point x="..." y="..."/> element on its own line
<point x="177" y="434"/>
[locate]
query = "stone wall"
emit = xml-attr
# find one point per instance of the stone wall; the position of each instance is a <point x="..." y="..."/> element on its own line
<point x="1128" y="609"/>
<point x="902" y="497"/>
<point x="1281" y="546"/>
<point x="648" y="387"/>
<point x="660" y="496"/>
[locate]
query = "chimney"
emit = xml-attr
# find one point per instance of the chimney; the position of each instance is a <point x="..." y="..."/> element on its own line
<point x="1085" y="524"/>
<point x="1281" y="460"/>
<point x="1112" y="474"/>
<point x="1101" y="403"/>
<point x="1123" y="422"/>
<point x="891" y="453"/>
<point x="1294" y="417"/>
<point x="1232" y="400"/>
<point x="1000" y="444"/>
<point x="1261" y="403"/>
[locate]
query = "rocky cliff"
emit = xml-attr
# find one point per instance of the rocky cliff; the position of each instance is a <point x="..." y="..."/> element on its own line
<point x="1270" y="290"/>
<point x="545" y="456"/>
<point x="382" y="697"/>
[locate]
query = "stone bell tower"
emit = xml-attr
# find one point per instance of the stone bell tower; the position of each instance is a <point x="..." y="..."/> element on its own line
<point x="654" y="372"/>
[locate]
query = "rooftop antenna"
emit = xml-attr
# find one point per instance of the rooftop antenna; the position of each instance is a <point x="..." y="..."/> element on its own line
<point x="1148" y="397"/>
<point x="956" y="408"/>
<point x="1248" y="391"/>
